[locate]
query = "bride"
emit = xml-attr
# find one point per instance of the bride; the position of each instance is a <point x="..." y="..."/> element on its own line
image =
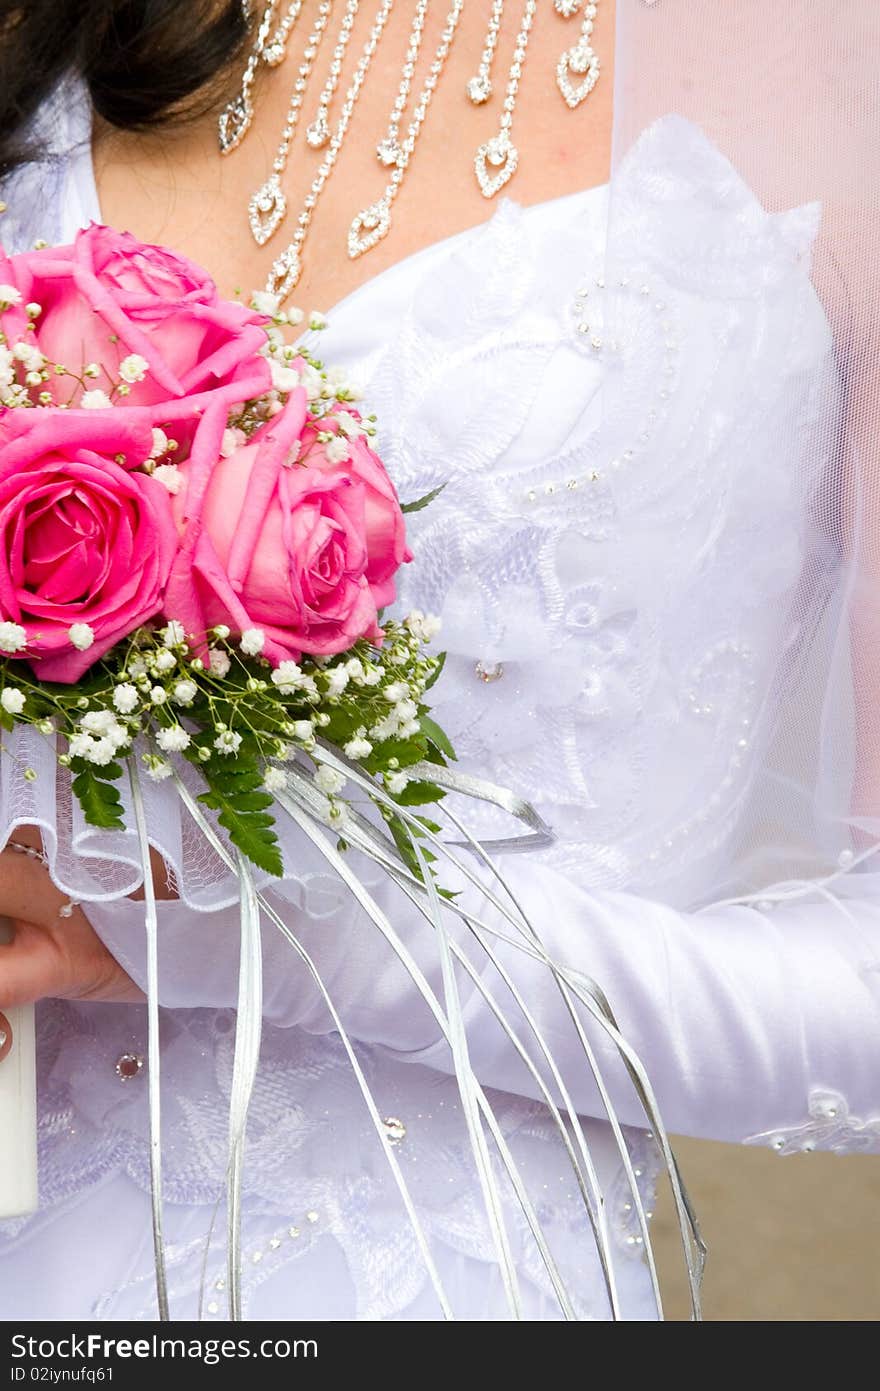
<point x="608" y="273"/>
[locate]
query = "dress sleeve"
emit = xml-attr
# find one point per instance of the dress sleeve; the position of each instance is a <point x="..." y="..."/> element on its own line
<point x="740" y="1014"/>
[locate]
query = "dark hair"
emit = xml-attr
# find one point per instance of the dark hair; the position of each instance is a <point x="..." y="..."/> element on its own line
<point x="144" y="61"/>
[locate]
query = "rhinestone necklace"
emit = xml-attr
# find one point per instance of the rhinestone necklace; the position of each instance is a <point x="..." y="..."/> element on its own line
<point x="318" y="133"/>
<point x="374" y="223"/>
<point x="268" y="206"/>
<point x="495" y="161"/>
<point x="287" y="268"/>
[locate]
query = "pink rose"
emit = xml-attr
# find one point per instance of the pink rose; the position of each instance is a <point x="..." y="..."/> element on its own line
<point x="385" y="523"/>
<point x="109" y="296"/>
<point x="83" y="539"/>
<point x="305" y="551"/>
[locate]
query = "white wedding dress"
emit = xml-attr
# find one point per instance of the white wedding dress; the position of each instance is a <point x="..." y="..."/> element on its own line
<point x="595" y="669"/>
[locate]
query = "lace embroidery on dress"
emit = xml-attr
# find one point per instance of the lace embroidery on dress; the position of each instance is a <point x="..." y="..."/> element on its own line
<point x="830" y="1127"/>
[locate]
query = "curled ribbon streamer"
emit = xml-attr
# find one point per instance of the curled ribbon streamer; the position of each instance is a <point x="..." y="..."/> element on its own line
<point x="598" y="1006"/>
<point x="359" y="830"/>
<point x="151" y="927"/>
<point x="305" y="805"/>
<point x="246" y="1059"/>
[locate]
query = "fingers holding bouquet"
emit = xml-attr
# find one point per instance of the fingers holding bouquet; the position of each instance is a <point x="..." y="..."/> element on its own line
<point x="47" y="945"/>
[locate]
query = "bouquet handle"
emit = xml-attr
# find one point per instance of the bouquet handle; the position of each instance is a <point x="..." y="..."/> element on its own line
<point x="18" y="1114"/>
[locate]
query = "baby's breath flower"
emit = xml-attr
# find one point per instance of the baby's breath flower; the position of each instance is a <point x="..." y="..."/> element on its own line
<point x="228" y="741"/>
<point x="355" y="668"/>
<point x="395" y="691"/>
<point x="185" y="692"/>
<point x="287" y="676"/>
<point x="173" y="740"/>
<point x="349" y="425"/>
<point x="45" y="726"/>
<point x="170" y="477"/>
<point x="275" y="780"/>
<point x="12" y="636"/>
<point x="174" y="633"/>
<point x="33" y="309"/>
<point x="133" y="368"/>
<point x="265" y="303"/>
<point x="95" y="400"/>
<point x="303" y="730"/>
<point x="358" y="747"/>
<point x="337" y="450"/>
<point x="158" y="769"/>
<point x="337" y="680"/>
<point x="329" y="780"/>
<point x="221" y="631"/>
<point x="423" y="626"/>
<point x="158" y="695"/>
<point x="232" y="441"/>
<point x="91" y="370"/>
<point x="126" y="698"/>
<point x="160" y="443"/>
<point x="81" y="636"/>
<point x="317" y="320"/>
<point x="396" y="782"/>
<point x="9" y="296"/>
<point x="12" y="700"/>
<point x="164" y="661"/>
<point x="100" y="751"/>
<point x="220" y="663"/>
<point x="252" y="641"/>
<point x="283" y="378"/>
<point x="30" y="355"/>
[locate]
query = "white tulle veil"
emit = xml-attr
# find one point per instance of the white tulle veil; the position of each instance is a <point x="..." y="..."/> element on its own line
<point x="787" y="93"/>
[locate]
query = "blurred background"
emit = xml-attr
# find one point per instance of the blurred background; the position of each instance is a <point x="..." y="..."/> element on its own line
<point x="790" y="1237"/>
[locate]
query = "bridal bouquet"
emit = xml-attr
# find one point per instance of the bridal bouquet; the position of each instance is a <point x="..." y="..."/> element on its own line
<point x="197" y="544"/>
<point x="197" y="541"/>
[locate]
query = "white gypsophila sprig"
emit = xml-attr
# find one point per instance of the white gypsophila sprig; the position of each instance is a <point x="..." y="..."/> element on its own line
<point x="12" y="700"/>
<point x="13" y="638"/>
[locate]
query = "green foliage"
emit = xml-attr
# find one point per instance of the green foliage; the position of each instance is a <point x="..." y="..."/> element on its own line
<point x="98" y="794"/>
<point x="236" y="792"/>
<point x="424" y="501"/>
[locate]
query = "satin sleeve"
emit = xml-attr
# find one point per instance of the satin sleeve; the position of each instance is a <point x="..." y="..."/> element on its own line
<point x="739" y="1014"/>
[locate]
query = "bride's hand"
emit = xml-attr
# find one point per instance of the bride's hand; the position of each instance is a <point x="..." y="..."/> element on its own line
<point x="44" y="954"/>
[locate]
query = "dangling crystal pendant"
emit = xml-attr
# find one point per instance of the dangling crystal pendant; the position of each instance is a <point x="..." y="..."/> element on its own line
<point x="503" y="155"/>
<point x="273" y="54"/>
<point x="388" y="152"/>
<point x="234" y="123"/>
<point x="566" y="8"/>
<point x="368" y="228"/>
<point x="479" y="90"/>
<point x="266" y="210"/>
<point x="285" y="273"/>
<point x="318" y="133"/>
<point x="582" y="62"/>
